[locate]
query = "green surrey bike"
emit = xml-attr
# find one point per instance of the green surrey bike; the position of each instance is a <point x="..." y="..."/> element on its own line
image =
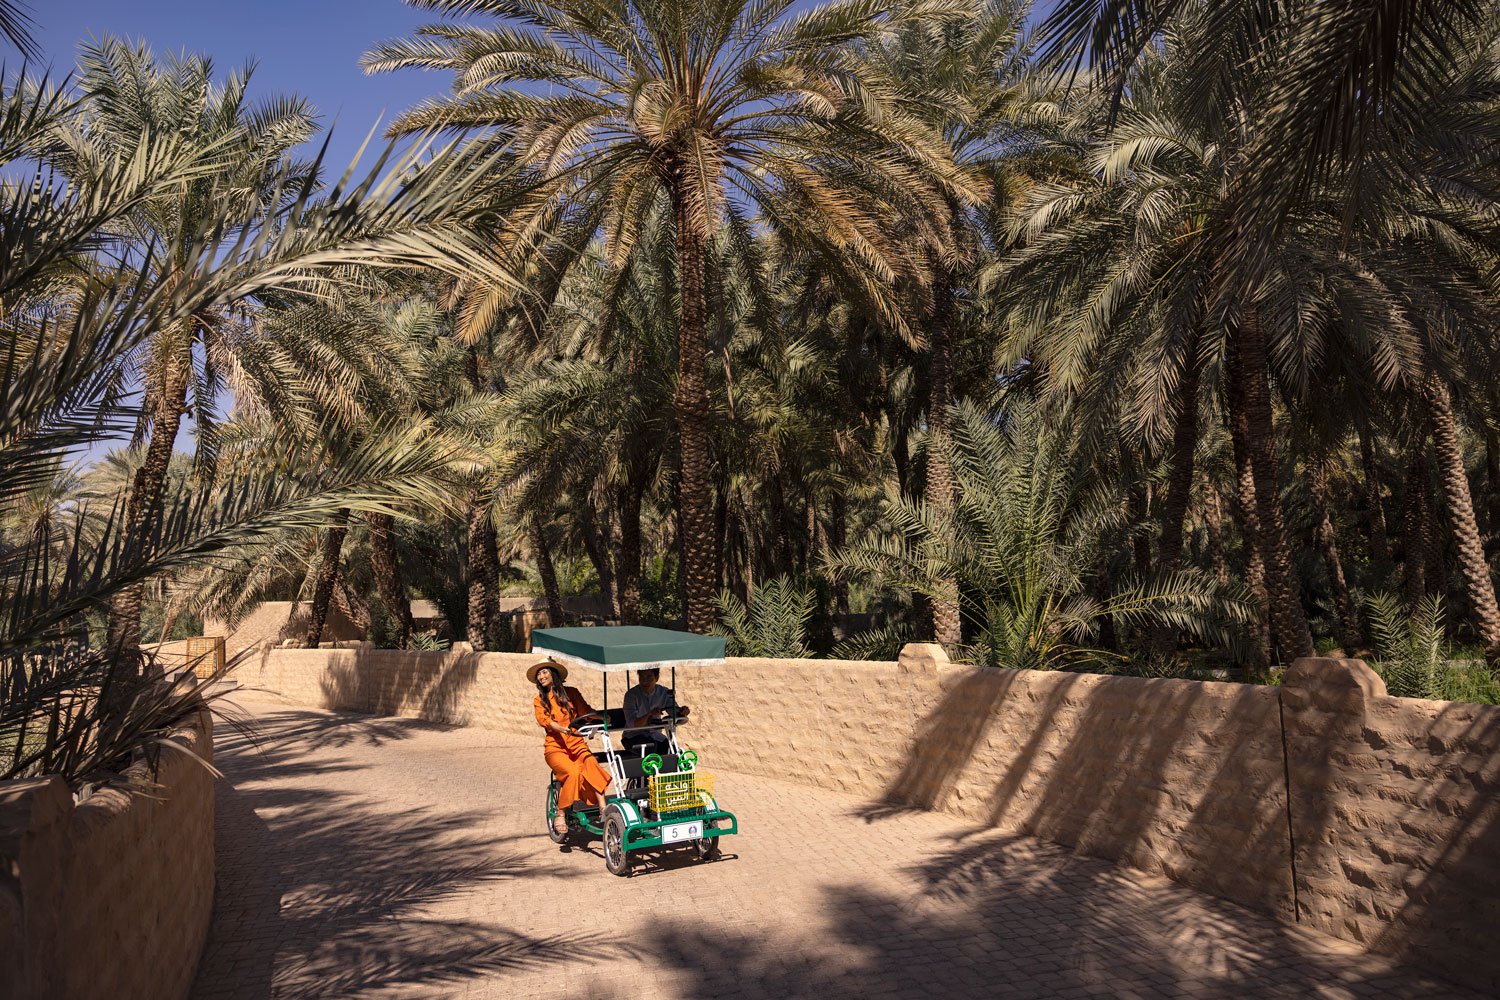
<point x="665" y="799"/>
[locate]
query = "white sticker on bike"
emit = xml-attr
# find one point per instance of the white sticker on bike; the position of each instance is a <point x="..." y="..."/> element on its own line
<point x="681" y="831"/>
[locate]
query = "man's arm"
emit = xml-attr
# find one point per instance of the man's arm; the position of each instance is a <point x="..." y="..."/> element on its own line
<point x="632" y="705"/>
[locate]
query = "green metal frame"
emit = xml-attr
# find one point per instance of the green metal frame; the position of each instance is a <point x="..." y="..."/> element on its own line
<point x="632" y="842"/>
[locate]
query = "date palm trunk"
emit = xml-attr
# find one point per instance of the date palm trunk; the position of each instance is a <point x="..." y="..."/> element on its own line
<point x="1140" y="544"/>
<point x="385" y="565"/>
<point x="483" y="556"/>
<point x="350" y="605"/>
<point x="697" y="534"/>
<point x="541" y="550"/>
<point x="838" y="519"/>
<point x="1213" y="519"/>
<point x="1250" y="397"/>
<point x="1380" y="545"/>
<point x="330" y="553"/>
<point x="1417" y="535"/>
<point x="628" y="565"/>
<point x="596" y="546"/>
<point x="147" y="489"/>
<point x="1109" y="637"/>
<point x="1492" y="483"/>
<point x="1179" y="483"/>
<point x="940" y="491"/>
<point x="1453" y="479"/>
<point x="1329" y="548"/>
<point x="1246" y="511"/>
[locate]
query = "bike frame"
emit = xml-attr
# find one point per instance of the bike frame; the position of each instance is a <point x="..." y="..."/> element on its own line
<point x="641" y="833"/>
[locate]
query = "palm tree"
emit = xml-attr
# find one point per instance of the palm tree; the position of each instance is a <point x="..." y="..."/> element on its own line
<point x="1334" y="78"/>
<point x="350" y="367"/>
<point x="1028" y="529"/>
<point x="130" y="95"/>
<point x="240" y="211"/>
<point x="966" y="79"/>
<point x="702" y="102"/>
<point x="1114" y="285"/>
<point x="590" y="424"/>
<point x="16" y="25"/>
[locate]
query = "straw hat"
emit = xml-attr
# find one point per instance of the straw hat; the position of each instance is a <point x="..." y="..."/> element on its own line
<point x="562" y="671"/>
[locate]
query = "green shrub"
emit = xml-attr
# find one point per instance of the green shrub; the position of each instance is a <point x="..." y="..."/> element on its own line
<point x="1023" y="544"/>
<point x="773" y="623"/>
<point x="1414" y="659"/>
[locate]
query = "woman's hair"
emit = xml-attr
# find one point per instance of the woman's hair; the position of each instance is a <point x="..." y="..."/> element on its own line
<point x="547" y="692"/>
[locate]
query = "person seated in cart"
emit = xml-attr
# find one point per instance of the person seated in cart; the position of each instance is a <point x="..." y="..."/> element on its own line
<point x="566" y="753"/>
<point x="649" y="703"/>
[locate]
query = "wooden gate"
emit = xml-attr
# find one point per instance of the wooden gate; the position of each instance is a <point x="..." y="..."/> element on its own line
<point x="206" y="655"/>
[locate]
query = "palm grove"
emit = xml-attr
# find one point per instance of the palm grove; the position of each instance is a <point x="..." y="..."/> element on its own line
<point x="1154" y="338"/>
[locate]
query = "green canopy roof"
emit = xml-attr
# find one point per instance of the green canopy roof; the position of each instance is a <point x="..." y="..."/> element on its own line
<point x="628" y="647"/>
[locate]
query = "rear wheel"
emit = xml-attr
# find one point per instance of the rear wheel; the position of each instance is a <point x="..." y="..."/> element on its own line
<point x="552" y="790"/>
<point x="616" y="857"/>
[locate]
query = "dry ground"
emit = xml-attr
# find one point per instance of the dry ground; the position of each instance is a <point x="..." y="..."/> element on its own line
<point x="379" y="857"/>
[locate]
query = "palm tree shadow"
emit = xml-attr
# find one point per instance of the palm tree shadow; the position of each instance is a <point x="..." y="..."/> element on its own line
<point x="946" y="741"/>
<point x="367" y="681"/>
<point x="321" y="894"/>
<point x="1020" y="917"/>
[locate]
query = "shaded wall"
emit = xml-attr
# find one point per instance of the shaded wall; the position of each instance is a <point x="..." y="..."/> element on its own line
<point x="460" y="688"/>
<point x="1178" y="778"/>
<point x="1396" y="819"/>
<point x="273" y="622"/>
<point x="110" y="898"/>
<point x="1389" y="837"/>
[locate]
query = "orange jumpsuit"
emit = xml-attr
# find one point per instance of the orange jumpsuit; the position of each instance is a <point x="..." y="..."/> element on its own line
<point x="568" y="753"/>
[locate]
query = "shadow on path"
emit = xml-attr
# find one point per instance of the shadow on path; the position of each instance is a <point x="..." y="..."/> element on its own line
<point x="1003" y="917"/>
<point x="325" y="893"/>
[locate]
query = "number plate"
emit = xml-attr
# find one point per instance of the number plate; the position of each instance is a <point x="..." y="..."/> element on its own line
<point x="681" y="831"/>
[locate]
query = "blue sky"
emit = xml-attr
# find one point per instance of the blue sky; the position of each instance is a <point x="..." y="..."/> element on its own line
<point x="310" y="47"/>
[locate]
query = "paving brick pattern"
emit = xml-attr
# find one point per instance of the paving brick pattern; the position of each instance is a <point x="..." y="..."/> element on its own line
<point x="376" y="857"/>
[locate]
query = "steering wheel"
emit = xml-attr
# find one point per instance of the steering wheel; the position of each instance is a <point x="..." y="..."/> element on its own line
<point x="591" y="719"/>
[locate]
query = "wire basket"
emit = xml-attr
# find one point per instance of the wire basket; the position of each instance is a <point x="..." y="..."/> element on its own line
<point x="680" y="791"/>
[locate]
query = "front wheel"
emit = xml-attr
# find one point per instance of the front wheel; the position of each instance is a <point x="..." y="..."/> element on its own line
<point x="616" y="857"/>
<point x="708" y="848"/>
<point x="552" y="790"/>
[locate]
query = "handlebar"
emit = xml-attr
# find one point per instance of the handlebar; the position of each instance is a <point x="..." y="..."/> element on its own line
<point x="593" y="725"/>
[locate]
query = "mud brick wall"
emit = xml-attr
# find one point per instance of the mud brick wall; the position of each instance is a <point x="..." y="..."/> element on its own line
<point x="1390" y="836"/>
<point x="1159" y="774"/>
<point x="109" y="898"/>
<point x="489" y="690"/>
<point x="1396" y="819"/>
<point x="1172" y="777"/>
<point x="274" y="621"/>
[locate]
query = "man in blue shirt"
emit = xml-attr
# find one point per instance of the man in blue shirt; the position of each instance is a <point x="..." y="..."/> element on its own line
<point x="649" y="703"/>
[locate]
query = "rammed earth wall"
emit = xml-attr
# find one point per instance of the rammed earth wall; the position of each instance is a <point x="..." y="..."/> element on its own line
<point x="109" y="898"/>
<point x="1390" y="836"/>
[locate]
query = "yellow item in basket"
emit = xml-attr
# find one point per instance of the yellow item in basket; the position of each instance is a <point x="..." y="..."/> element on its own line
<point x="679" y="791"/>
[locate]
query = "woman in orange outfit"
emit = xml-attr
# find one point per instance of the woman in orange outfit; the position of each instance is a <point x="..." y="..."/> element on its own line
<point x="567" y="753"/>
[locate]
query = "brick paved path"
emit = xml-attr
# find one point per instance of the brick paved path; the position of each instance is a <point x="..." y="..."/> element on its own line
<point x="365" y="857"/>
